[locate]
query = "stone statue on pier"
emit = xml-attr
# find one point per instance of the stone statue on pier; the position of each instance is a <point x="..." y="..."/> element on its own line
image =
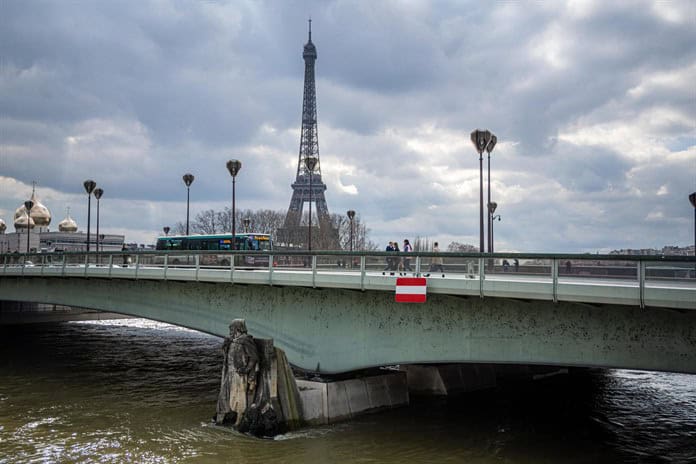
<point x="239" y="372"/>
<point x="258" y="393"/>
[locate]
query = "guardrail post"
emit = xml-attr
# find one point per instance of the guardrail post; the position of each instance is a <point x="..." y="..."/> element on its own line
<point x="86" y="263"/>
<point x="137" y="266"/>
<point x="111" y="264"/>
<point x="270" y="270"/>
<point x="554" y="278"/>
<point x="314" y="271"/>
<point x="362" y="273"/>
<point x="418" y="266"/>
<point x="232" y="260"/>
<point x="4" y="265"/>
<point x="641" y="282"/>
<point x="198" y="265"/>
<point x="481" y="277"/>
<point x="43" y="263"/>
<point x="166" y="265"/>
<point x="62" y="271"/>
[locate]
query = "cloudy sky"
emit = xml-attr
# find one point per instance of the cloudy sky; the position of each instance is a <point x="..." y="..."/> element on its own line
<point x="593" y="104"/>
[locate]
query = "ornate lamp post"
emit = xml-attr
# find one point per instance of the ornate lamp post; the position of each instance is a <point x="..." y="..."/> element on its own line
<point x="234" y="166"/>
<point x="310" y="163"/>
<point x="492" y="205"/>
<point x="481" y="139"/>
<point x="98" y="192"/>
<point x="28" y="205"/>
<point x="692" y="199"/>
<point x="351" y="215"/>
<point x="166" y="230"/>
<point x="493" y="218"/>
<point x="89" y="188"/>
<point x="188" y="180"/>
<point x="247" y="221"/>
<point x="489" y="149"/>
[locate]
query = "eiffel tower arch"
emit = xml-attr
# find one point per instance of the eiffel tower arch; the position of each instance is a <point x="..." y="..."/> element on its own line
<point x="293" y="234"/>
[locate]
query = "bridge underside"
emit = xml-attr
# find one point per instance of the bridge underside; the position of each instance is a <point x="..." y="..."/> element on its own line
<point x="333" y="331"/>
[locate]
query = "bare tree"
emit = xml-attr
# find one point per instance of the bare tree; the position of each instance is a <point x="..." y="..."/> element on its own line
<point x="266" y="221"/>
<point x="422" y="244"/>
<point x="178" y="229"/>
<point x="462" y="248"/>
<point x="205" y="222"/>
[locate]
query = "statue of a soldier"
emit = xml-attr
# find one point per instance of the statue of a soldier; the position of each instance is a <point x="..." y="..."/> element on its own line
<point x="239" y="375"/>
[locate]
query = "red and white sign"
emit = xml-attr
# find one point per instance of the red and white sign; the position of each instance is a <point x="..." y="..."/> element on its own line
<point x="410" y="290"/>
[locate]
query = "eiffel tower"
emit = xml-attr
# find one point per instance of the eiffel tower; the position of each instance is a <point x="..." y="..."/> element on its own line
<point x="292" y="233"/>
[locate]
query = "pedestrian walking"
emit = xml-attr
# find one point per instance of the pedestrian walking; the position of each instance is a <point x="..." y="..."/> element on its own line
<point x="436" y="263"/>
<point x="407" y="259"/>
<point x="398" y="264"/>
<point x="389" y="266"/>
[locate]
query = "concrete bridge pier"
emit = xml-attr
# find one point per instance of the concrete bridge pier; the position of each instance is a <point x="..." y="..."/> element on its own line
<point x="448" y="379"/>
<point x="325" y="402"/>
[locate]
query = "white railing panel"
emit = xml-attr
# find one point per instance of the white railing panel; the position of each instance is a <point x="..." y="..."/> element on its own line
<point x="594" y="291"/>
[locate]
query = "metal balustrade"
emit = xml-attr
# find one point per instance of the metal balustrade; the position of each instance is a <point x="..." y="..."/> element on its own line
<point x="658" y="281"/>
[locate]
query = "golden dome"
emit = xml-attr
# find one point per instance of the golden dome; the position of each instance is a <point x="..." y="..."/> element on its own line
<point x="39" y="213"/>
<point x="67" y="224"/>
<point x="21" y="221"/>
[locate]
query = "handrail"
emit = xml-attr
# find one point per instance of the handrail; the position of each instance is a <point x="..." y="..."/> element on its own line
<point x="427" y="254"/>
<point x="551" y="282"/>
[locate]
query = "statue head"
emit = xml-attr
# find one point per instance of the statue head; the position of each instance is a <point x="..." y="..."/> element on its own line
<point x="237" y="328"/>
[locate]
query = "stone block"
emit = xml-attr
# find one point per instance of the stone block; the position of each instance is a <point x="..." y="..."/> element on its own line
<point x="377" y="392"/>
<point x="356" y="392"/>
<point x="338" y="403"/>
<point x="313" y="400"/>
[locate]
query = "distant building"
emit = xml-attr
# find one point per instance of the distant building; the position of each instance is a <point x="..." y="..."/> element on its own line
<point x="669" y="250"/>
<point x="34" y="228"/>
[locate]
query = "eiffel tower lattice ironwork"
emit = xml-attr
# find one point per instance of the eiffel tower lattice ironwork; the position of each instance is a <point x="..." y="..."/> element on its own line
<point x="293" y="233"/>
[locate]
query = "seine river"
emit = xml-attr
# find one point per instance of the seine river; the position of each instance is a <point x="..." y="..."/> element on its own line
<point x="134" y="391"/>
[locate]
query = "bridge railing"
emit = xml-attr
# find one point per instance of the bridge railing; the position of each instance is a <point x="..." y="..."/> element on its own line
<point x="668" y="281"/>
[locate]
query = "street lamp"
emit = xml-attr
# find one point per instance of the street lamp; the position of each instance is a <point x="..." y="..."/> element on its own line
<point x="351" y="215"/>
<point x="89" y="188"/>
<point x="489" y="149"/>
<point x="234" y="166"/>
<point x="166" y="230"/>
<point x="247" y="221"/>
<point x="481" y="139"/>
<point x="492" y="205"/>
<point x="493" y="218"/>
<point x="188" y="180"/>
<point x="692" y="199"/>
<point x="98" y="192"/>
<point x="310" y="163"/>
<point x="28" y="205"/>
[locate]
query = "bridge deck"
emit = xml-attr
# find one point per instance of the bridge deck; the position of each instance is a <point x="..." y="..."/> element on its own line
<point x="669" y="292"/>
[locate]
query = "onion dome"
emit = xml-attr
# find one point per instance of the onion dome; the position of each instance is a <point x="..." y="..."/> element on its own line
<point x="67" y="224"/>
<point x="3" y="226"/>
<point x="21" y="221"/>
<point x="39" y="213"/>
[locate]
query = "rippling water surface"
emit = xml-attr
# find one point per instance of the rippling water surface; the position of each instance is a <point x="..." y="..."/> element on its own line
<point x="139" y="391"/>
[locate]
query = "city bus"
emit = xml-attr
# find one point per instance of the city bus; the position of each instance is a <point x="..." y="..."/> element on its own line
<point x="214" y="242"/>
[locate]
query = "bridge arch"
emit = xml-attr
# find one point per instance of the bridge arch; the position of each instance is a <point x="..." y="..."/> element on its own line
<point x="339" y="330"/>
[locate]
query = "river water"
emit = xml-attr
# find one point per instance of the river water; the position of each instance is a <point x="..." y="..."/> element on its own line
<point x="138" y="391"/>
